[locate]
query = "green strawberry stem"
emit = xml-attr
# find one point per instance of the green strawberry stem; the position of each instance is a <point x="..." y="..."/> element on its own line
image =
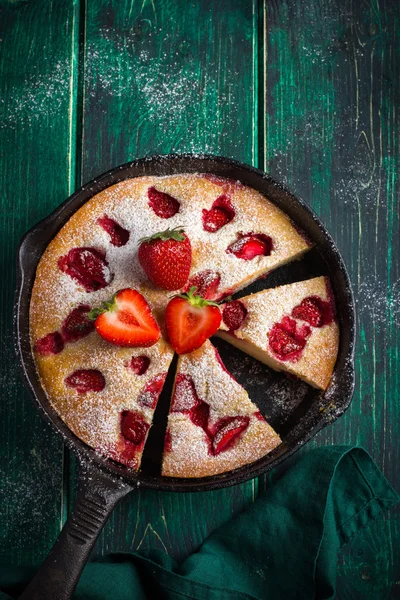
<point x="104" y="307"/>
<point x="195" y="299"/>
<point x="169" y="234"/>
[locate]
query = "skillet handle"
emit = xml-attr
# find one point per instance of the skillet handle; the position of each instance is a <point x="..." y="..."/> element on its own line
<point x="59" y="574"/>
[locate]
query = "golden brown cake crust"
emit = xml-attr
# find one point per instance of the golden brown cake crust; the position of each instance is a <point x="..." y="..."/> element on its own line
<point x="94" y="416"/>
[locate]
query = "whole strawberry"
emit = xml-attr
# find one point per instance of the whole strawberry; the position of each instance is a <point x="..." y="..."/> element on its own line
<point x="166" y="258"/>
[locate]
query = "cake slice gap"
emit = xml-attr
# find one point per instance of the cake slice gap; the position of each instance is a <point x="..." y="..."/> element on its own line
<point x="290" y="328"/>
<point x="213" y="426"/>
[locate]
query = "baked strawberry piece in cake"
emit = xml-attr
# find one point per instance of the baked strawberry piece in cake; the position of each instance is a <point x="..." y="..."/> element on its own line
<point x="291" y="328"/>
<point x="213" y="426"/>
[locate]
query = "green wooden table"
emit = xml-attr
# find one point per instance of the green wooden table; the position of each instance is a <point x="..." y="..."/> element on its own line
<point x="307" y="90"/>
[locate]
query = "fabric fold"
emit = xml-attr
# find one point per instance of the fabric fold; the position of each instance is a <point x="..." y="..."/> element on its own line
<point x="284" y="546"/>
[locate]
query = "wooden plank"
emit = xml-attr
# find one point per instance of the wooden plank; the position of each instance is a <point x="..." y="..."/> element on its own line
<point x="331" y="132"/>
<point x="36" y="60"/>
<point x="166" y="77"/>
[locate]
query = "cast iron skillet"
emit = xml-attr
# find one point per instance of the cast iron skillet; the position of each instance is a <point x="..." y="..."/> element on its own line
<point x="297" y="411"/>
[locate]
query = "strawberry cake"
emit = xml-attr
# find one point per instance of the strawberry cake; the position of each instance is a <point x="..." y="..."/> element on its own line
<point x="213" y="426"/>
<point x="290" y="328"/>
<point x="98" y="309"/>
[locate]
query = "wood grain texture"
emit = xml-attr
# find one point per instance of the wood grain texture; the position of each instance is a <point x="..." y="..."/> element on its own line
<point x="157" y="79"/>
<point x="36" y="59"/>
<point x="307" y="89"/>
<point x="331" y="132"/>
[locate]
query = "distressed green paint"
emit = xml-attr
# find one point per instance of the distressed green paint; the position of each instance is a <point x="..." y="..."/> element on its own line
<point x="332" y="134"/>
<point x="307" y="88"/>
<point x="35" y="144"/>
<point x="160" y="79"/>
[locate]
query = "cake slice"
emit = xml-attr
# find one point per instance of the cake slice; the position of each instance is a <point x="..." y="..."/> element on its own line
<point x="106" y="394"/>
<point x="291" y="328"/>
<point x="213" y="426"/>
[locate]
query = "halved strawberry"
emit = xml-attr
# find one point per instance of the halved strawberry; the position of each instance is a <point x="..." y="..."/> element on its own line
<point x="126" y="320"/>
<point x="166" y="258"/>
<point x="190" y="321"/>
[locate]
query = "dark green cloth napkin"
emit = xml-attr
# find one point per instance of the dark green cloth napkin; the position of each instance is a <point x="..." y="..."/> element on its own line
<point x="285" y="546"/>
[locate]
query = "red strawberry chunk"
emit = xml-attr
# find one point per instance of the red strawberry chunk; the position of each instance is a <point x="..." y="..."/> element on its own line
<point x="314" y="310"/>
<point x="87" y="266"/>
<point x="134" y="428"/>
<point x="221" y="213"/>
<point x="286" y="340"/>
<point x="164" y="205"/>
<point x="186" y="400"/>
<point x="206" y="282"/>
<point x="118" y="235"/>
<point x="77" y="324"/>
<point x="151" y="391"/>
<point x="185" y="396"/>
<point x="86" y="380"/>
<point x="227" y="431"/>
<point x="139" y="364"/>
<point x="52" y="343"/>
<point x="233" y="314"/>
<point x="199" y="415"/>
<point x="250" y="245"/>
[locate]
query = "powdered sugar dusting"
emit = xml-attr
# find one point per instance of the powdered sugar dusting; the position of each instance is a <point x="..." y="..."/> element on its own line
<point x="189" y="447"/>
<point x="268" y="307"/>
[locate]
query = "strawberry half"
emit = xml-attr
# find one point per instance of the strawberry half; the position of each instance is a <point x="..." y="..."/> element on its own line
<point x="127" y="320"/>
<point x="190" y="321"/>
<point x="166" y="258"/>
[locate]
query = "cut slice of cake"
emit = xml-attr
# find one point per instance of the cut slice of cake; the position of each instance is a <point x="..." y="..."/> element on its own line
<point x="213" y="426"/>
<point x="291" y="328"/>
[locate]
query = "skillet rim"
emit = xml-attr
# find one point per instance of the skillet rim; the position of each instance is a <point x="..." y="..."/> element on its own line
<point x="38" y="237"/>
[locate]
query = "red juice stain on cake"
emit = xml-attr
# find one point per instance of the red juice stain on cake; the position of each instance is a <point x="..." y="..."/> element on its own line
<point x="229" y="186"/>
<point x="86" y="380"/>
<point x="52" y="343"/>
<point x="118" y="235"/>
<point x="206" y="282"/>
<point x="221" y="213"/>
<point x="234" y="314"/>
<point x="77" y="324"/>
<point x="250" y="245"/>
<point x="133" y="428"/>
<point x="139" y="364"/>
<point x="259" y="416"/>
<point x="167" y="441"/>
<point x="186" y="400"/>
<point x="226" y="431"/>
<point x="314" y="310"/>
<point x="151" y="391"/>
<point x="164" y="205"/>
<point x="87" y="266"/>
<point x="287" y="340"/>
